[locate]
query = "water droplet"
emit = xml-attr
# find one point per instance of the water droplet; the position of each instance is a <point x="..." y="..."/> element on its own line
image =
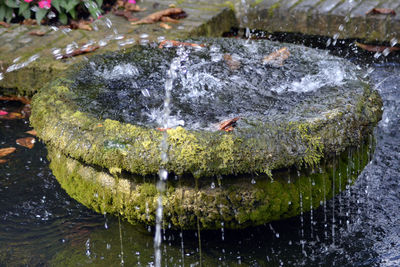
<point x="386" y="52"/>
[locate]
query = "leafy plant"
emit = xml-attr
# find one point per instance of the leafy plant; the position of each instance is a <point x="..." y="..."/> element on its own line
<point x="63" y="10"/>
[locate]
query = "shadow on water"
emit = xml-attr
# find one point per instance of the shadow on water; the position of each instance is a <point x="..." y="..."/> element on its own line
<point x="41" y="225"/>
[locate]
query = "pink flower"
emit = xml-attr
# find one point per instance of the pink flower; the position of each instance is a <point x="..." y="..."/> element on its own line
<point x="45" y="4"/>
<point x="3" y="112"/>
<point x="129" y="1"/>
<point x="28" y="1"/>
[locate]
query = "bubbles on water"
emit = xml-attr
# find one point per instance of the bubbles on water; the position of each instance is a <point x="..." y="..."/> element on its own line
<point x="212" y="185"/>
<point x="253" y="181"/>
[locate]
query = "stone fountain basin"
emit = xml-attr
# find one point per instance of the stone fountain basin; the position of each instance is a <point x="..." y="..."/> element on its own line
<point x="305" y="113"/>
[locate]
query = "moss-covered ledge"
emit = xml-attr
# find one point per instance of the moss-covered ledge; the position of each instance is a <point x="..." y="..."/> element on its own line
<point x="231" y="202"/>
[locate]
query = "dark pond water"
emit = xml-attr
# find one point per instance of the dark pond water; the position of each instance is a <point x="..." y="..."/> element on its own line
<point x="40" y="225"/>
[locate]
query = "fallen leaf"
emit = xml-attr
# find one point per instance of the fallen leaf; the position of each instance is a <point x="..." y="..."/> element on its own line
<point x="2" y="161"/>
<point x="4" y="24"/>
<point x="165" y="26"/>
<point x="29" y="22"/>
<point x="133" y="7"/>
<point x="377" y="48"/>
<point x="157" y="16"/>
<point x="37" y="33"/>
<point x="232" y="63"/>
<point x="126" y="14"/>
<point x="277" y="58"/>
<point x="383" y="11"/>
<point x="178" y="43"/>
<point x="3" y="112"/>
<point x="31" y="132"/>
<point x="21" y="99"/>
<point x="81" y="51"/>
<point x="169" y="19"/>
<point x="27" y="142"/>
<point x="228" y="125"/>
<point x="6" y="151"/>
<point x="163" y="129"/>
<point x="12" y="116"/>
<point x="82" y="25"/>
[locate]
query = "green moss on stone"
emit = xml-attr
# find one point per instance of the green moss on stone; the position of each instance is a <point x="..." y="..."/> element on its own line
<point x="236" y="202"/>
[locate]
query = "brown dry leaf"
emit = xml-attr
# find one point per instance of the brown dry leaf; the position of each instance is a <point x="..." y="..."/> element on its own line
<point x="277" y="58"/>
<point x="126" y="14"/>
<point x="228" y="125"/>
<point x="81" y="51"/>
<point x="133" y="7"/>
<point x="21" y="99"/>
<point x="12" y="116"/>
<point x="232" y="63"/>
<point x="377" y="48"/>
<point x="27" y="142"/>
<point x="82" y="25"/>
<point x="157" y="16"/>
<point x="37" y="33"/>
<point x="31" y="132"/>
<point x="6" y="151"/>
<point x="4" y="24"/>
<point x="29" y="22"/>
<point x="165" y="26"/>
<point x="383" y="11"/>
<point x="2" y="161"/>
<point x="178" y="43"/>
<point x="169" y="19"/>
<point x="163" y="129"/>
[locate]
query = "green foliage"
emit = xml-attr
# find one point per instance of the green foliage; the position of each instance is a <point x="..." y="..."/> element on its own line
<point x="64" y="10"/>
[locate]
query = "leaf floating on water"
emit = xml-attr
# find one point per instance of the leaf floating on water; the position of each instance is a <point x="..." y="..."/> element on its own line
<point x="178" y="43"/>
<point x="228" y="125"/>
<point x="377" y="48"/>
<point x="4" y="24"/>
<point x="231" y="62"/>
<point x="165" y="26"/>
<point x="383" y="11"/>
<point x="277" y="58"/>
<point x="81" y="51"/>
<point x="31" y="132"/>
<point x="37" y="33"/>
<point x="174" y="13"/>
<point x="27" y="142"/>
<point x="6" y="151"/>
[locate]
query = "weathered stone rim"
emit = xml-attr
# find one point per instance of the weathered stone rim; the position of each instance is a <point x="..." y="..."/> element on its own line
<point x="119" y="146"/>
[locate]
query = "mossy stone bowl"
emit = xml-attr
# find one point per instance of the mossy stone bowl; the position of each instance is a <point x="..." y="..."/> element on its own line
<point x="306" y="111"/>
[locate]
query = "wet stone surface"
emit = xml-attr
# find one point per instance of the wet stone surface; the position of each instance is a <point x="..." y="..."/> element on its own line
<point x="111" y="33"/>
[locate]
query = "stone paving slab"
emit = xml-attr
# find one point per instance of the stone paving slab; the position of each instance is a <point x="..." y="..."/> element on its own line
<point x="345" y="19"/>
<point x="27" y="62"/>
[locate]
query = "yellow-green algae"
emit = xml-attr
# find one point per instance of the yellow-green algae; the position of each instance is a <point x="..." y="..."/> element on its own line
<point x="260" y="149"/>
<point x="234" y="201"/>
